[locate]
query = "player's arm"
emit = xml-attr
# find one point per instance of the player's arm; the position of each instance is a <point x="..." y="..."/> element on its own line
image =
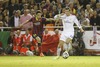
<point x="24" y="23"/>
<point x="56" y="18"/>
<point x="81" y="29"/>
<point x="78" y="24"/>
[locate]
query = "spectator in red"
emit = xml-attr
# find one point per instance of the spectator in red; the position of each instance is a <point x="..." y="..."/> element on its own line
<point x="54" y="43"/>
<point x="27" y="42"/>
<point x="36" y="42"/>
<point x="46" y="40"/>
<point x="17" y="42"/>
<point x="34" y="47"/>
<point x="49" y="43"/>
<point x="46" y="36"/>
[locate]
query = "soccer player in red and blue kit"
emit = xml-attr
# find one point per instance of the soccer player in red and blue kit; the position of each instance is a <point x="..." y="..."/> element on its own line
<point x="38" y="23"/>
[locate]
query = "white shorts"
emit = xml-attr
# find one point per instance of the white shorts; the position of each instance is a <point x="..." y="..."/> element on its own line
<point x="64" y="36"/>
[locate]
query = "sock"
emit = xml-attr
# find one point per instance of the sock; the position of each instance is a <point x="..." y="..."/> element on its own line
<point x="67" y="47"/>
<point x="58" y="51"/>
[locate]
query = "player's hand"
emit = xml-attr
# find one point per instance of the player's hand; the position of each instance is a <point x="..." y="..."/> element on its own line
<point x="82" y="30"/>
<point x="21" y="25"/>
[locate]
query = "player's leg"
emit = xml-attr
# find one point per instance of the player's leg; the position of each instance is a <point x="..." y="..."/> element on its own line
<point x="69" y="44"/>
<point x="61" y="42"/>
<point x="69" y="37"/>
<point x="59" y="48"/>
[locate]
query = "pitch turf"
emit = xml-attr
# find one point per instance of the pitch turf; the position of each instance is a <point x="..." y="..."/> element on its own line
<point x="49" y="61"/>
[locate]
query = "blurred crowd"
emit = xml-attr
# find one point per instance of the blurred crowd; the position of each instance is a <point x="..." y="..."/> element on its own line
<point x="15" y="12"/>
<point x="87" y="11"/>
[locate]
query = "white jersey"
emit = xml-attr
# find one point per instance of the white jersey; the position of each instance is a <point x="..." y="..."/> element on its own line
<point x="68" y="23"/>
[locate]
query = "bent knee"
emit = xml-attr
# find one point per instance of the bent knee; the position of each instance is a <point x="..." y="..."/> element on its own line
<point x="60" y="43"/>
<point x="68" y="40"/>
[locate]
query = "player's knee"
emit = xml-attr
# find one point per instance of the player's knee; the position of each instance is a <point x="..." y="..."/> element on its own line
<point x="69" y="40"/>
<point x="60" y="43"/>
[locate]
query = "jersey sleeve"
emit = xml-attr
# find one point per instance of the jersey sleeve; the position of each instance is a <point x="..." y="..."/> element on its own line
<point x="60" y="16"/>
<point x="77" y="22"/>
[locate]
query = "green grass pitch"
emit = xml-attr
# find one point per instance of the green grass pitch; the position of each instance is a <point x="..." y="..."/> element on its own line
<point x="49" y="61"/>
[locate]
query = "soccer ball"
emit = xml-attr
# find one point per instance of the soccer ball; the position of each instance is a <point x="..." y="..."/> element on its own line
<point x="65" y="55"/>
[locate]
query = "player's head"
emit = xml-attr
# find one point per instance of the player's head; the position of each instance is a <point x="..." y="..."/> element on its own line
<point x="18" y="32"/>
<point x="67" y="11"/>
<point x="56" y="31"/>
<point x="46" y="31"/>
<point x="63" y="10"/>
<point x="38" y="14"/>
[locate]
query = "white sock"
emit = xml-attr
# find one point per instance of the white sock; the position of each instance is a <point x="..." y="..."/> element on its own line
<point x="67" y="47"/>
<point x="58" y="51"/>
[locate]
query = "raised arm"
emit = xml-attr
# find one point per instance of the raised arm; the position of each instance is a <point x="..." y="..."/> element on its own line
<point x="78" y="24"/>
<point x="21" y="25"/>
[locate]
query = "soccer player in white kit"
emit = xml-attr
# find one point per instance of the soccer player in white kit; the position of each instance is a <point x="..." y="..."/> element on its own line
<point x="68" y="30"/>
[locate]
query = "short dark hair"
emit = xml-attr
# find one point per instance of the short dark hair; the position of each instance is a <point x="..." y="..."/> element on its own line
<point x="38" y="12"/>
